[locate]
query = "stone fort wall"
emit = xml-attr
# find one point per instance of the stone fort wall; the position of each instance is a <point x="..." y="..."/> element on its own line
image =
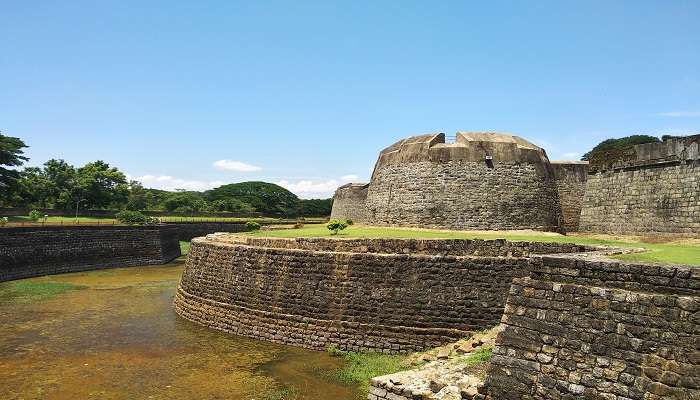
<point x="570" y="178"/>
<point x="482" y="181"/>
<point x="349" y="202"/>
<point x="35" y="251"/>
<point x="354" y="294"/>
<point x="590" y="329"/>
<point x="654" y="188"/>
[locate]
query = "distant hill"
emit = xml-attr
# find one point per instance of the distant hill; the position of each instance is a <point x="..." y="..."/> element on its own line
<point x="267" y="198"/>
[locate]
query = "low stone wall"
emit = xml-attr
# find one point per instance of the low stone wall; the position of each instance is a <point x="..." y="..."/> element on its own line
<point x="186" y="231"/>
<point x="35" y="251"/>
<point x="599" y="329"/>
<point x="360" y="294"/>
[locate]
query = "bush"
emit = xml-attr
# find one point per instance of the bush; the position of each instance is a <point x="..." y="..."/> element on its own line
<point x="4" y="221"/>
<point x="252" y="226"/>
<point x="349" y="221"/>
<point x="336" y="226"/>
<point x="300" y="223"/>
<point x="132" y="217"/>
<point x="35" y="215"/>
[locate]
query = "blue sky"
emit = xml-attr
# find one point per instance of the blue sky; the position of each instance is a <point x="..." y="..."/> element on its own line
<point x="306" y="93"/>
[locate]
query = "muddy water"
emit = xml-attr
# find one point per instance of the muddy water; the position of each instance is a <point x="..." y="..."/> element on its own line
<point x="116" y="336"/>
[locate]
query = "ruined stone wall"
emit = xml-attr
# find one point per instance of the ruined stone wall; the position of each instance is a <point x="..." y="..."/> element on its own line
<point x="349" y="202"/>
<point x="570" y="177"/>
<point x="464" y="195"/>
<point x="35" y="251"/>
<point x="599" y="330"/>
<point x="354" y="299"/>
<point x="653" y="189"/>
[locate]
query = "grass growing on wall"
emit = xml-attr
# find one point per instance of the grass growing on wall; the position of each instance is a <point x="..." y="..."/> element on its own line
<point x="28" y="291"/>
<point x="674" y="253"/>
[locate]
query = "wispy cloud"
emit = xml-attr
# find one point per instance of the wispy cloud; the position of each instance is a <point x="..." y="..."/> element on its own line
<point x="238" y="166"/>
<point x="680" y="114"/>
<point x="315" y="188"/>
<point x="167" y="182"/>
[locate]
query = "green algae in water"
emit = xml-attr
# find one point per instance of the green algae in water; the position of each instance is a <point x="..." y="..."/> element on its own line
<point x="28" y="291"/>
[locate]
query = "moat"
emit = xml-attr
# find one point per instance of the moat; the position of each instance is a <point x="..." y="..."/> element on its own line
<point x="113" y="334"/>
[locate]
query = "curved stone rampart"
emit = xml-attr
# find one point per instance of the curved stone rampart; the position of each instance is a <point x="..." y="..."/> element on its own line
<point x="358" y="294"/>
<point x="481" y="181"/>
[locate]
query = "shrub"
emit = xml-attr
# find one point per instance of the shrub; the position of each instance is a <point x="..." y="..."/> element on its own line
<point x="349" y="221"/>
<point x="4" y="221"/>
<point x="252" y="226"/>
<point x="300" y="223"/>
<point x="336" y="226"/>
<point x="35" y="215"/>
<point x="132" y="217"/>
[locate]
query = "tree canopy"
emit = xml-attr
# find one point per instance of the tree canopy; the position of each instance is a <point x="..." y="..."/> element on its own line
<point x="11" y="155"/>
<point x="610" y="148"/>
<point x="97" y="185"/>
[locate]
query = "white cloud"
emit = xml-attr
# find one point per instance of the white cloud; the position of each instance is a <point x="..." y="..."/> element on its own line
<point x="681" y="114"/>
<point x="238" y="166"/>
<point x="166" y="182"/>
<point x="315" y="188"/>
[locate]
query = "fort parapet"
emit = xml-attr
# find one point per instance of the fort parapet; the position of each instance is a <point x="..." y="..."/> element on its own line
<point x="650" y="188"/>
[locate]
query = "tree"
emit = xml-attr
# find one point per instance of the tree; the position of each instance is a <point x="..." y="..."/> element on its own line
<point x="611" y="148"/>
<point x="139" y="198"/>
<point x="101" y="186"/>
<point x="336" y="225"/>
<point x="11" y="155"/>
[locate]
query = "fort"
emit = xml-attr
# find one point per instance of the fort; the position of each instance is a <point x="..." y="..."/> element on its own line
<point x="574" y="323"/>
<point x="498" y="182"/>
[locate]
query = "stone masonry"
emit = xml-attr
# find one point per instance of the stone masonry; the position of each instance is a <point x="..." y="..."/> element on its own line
<point x="653" y="188"/>
<point x="358" y="294"/>
<point x="599" y="329"/>
<point x="35" y="251"/>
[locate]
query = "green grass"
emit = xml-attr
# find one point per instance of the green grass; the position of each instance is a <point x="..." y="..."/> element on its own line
<point x="359" y="368"/>
<point x="282" y="394"/>
<point x="480" y="356"/>
<point x="28" y="291"/>
<point x="184" y="247"/>
<point x="673" y="253"/>
<point x="173" y="218"/>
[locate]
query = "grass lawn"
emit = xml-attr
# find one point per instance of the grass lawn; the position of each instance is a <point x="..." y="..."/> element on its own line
<point x="108" y="220"/>
<point x="680" y="252"/>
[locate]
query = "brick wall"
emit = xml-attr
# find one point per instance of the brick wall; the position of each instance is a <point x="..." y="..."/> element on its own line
<point x="34" y="251"/>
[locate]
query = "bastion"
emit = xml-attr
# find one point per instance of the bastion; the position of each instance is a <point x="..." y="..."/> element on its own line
<point x="481" y="181"/>
<point x="388" y="295"/>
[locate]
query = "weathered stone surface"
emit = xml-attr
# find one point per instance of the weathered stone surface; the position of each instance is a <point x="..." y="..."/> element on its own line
<point x="34" y="251"/>
<point x="655" y="188"/>
<point x="482" y="181"/>
<point x="570" y="178"/>
<point x="390" y="295"/>
<point x="610" y="331"/>
<point x="349" y="202"/>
